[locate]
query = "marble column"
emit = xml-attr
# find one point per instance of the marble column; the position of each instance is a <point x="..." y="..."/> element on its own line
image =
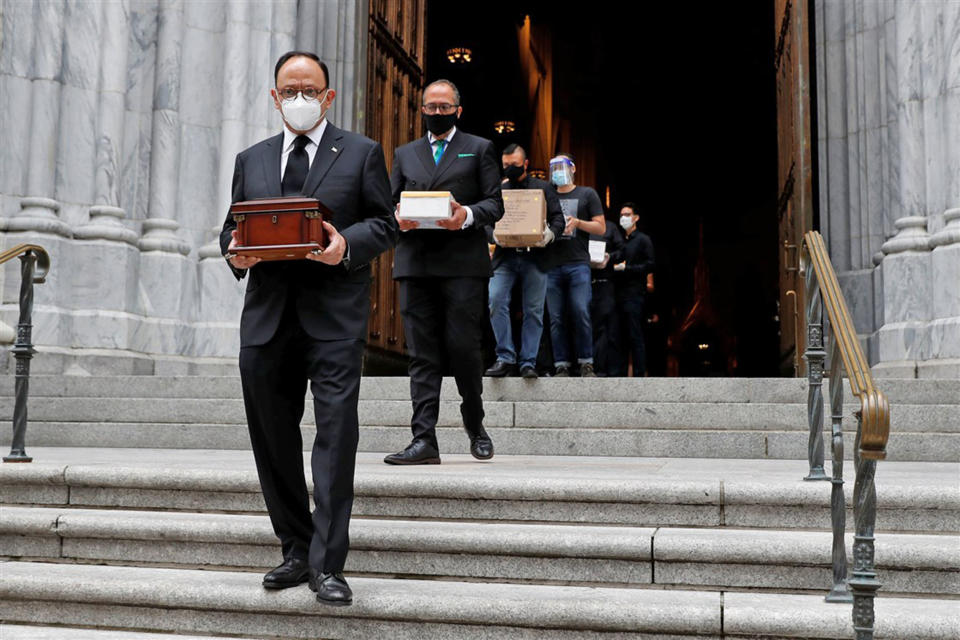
<point x="39" y="208"/>
<point x="166" y="284"/>
<point x="907" y="290"/>
<point x="159" y="229"/>
<point x="888" y="103"/>
<point x="943" y="333"/>
<point x="221" y="297"/>
<point x="106" y="215"/>
<point x="337" y="31"/>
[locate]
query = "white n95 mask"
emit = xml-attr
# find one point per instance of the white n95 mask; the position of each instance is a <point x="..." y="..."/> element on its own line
<point x="302" y="114"/>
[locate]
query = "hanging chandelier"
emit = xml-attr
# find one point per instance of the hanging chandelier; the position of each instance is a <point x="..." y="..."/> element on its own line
<point x="459" y="55"/>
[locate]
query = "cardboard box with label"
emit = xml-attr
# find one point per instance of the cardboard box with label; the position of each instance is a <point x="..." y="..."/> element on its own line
<point x="524" y="218"/>
<point x="426" y="207"/>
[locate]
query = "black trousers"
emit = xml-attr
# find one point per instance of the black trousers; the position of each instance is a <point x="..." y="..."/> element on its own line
<point x="606" y="329"/>
<point x="443" y="324"/>
<point x="630" y="308"/>
<point x="274" y="377"/>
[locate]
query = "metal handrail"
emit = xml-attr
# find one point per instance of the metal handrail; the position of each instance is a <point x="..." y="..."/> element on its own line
<point x="34" y="267"/>
<point x="873" y="430"/>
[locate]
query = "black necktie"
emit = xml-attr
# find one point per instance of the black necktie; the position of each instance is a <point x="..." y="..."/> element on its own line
<point x="298" y="164"/>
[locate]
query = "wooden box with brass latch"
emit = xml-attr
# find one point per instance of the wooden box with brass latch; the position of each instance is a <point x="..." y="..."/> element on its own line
<point x="280" y="228"/>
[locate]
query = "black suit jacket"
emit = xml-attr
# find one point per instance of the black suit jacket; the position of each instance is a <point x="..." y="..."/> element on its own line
<point x="348" y="175"/>
<point x="555" y="222"/>
<point x="470" y="171"/>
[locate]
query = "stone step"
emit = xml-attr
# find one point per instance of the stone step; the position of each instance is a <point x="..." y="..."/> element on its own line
<point x="685" y="390"/>
<point x="675" y="492"/>
<point x="650" y="441"/>
<point x="536" y="553"/>
<point x="177" y="600"/>
<point x="548" y="414"/>
<point x="33" y="632"/>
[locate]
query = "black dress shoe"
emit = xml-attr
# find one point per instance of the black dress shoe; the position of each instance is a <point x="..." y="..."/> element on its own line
<point x="501" y="369"/>
<point x="528" y="372"/>
<point x="417" y="452"/>
<point x="481" y="446"/>
<point x="332" y="589"/>
<point x="292" y="572"/>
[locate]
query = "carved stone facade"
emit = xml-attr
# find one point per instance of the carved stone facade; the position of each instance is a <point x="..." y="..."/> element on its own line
<point x="888" y="103"/>
<point x="120" y="122"/>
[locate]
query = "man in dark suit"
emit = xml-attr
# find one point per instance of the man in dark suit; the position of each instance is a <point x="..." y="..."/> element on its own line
<point x="443" y="272"/>
<point x="528" y="265"/>
<point x="306" y="320"/>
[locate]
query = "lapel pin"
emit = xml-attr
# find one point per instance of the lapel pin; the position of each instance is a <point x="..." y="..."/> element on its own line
<point x="334" y="149"/>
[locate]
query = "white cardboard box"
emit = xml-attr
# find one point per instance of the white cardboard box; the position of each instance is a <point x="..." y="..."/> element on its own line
<point x="426" y="207"/>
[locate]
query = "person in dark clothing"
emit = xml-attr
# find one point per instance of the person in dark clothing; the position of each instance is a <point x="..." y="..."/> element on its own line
<point x="603" y="306"/>
<point x="443" y="273"/>
<point x="529" y="266"/>
<point x="633" y="263"/>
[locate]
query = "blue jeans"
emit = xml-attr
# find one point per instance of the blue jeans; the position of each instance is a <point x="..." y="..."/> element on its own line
<point x="568" y="297"/>
<point x="516" y="265"/>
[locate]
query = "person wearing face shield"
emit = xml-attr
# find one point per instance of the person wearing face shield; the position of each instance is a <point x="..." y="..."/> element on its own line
<point x="528" y="266"/>
<point x="443" y="273"/>
<point x="568" y="281"/>
<point x="306" y="321"/>
<point x="633" y="279"/>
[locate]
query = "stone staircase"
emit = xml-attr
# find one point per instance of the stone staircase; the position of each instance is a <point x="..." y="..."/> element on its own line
<point x="655" y="508"/>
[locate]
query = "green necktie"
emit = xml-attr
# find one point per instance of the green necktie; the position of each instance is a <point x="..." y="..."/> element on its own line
<point x="441" y="144"/>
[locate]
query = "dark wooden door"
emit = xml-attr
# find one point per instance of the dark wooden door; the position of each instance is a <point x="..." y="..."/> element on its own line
<point x="395" y="57"/>
<point x="794" y="173"/>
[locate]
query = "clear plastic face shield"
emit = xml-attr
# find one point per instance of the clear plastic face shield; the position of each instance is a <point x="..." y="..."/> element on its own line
<point x="561" y="171"/>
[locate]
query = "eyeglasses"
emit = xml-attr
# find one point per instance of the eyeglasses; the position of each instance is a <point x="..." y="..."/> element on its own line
<point x="446" y="109"/>
<point x="289" y="93"/>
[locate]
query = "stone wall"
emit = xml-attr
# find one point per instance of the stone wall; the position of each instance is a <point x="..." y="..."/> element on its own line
<point x="888" y="101"/>
<point x="120" y="123"/>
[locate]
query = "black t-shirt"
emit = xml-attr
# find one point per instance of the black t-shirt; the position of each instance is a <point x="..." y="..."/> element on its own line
<point x="584" y="203"/>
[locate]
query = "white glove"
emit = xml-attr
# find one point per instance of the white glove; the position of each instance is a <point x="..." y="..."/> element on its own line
<point x="548" y="237"/>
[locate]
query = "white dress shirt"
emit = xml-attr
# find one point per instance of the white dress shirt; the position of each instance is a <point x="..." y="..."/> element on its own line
<point x="433" y="139"/>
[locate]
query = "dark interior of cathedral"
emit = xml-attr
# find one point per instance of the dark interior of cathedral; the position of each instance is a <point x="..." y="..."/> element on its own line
<point x="669" y="105"/>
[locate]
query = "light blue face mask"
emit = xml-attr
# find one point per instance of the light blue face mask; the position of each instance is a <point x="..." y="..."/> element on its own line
<point x="561" y="171"/>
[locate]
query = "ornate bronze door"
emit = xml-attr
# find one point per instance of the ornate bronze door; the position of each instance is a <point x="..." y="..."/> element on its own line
<point x="395" y="57"/>
<point x="795" y="201"/>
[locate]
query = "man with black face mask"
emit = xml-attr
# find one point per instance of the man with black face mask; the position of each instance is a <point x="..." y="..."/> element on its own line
<point x="443" y="272"/>
<point x="529" y="266"/>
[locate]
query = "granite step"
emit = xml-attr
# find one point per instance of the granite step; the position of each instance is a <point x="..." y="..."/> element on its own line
<point x="537" y="553"/>
<point x="913" y="418"/>
<point x="198" y="602"/>
<point x="652" y="440"/>
<point x="33" y="632"/>
<point x="642" y="492"/>
<point x="685" y="390"/>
